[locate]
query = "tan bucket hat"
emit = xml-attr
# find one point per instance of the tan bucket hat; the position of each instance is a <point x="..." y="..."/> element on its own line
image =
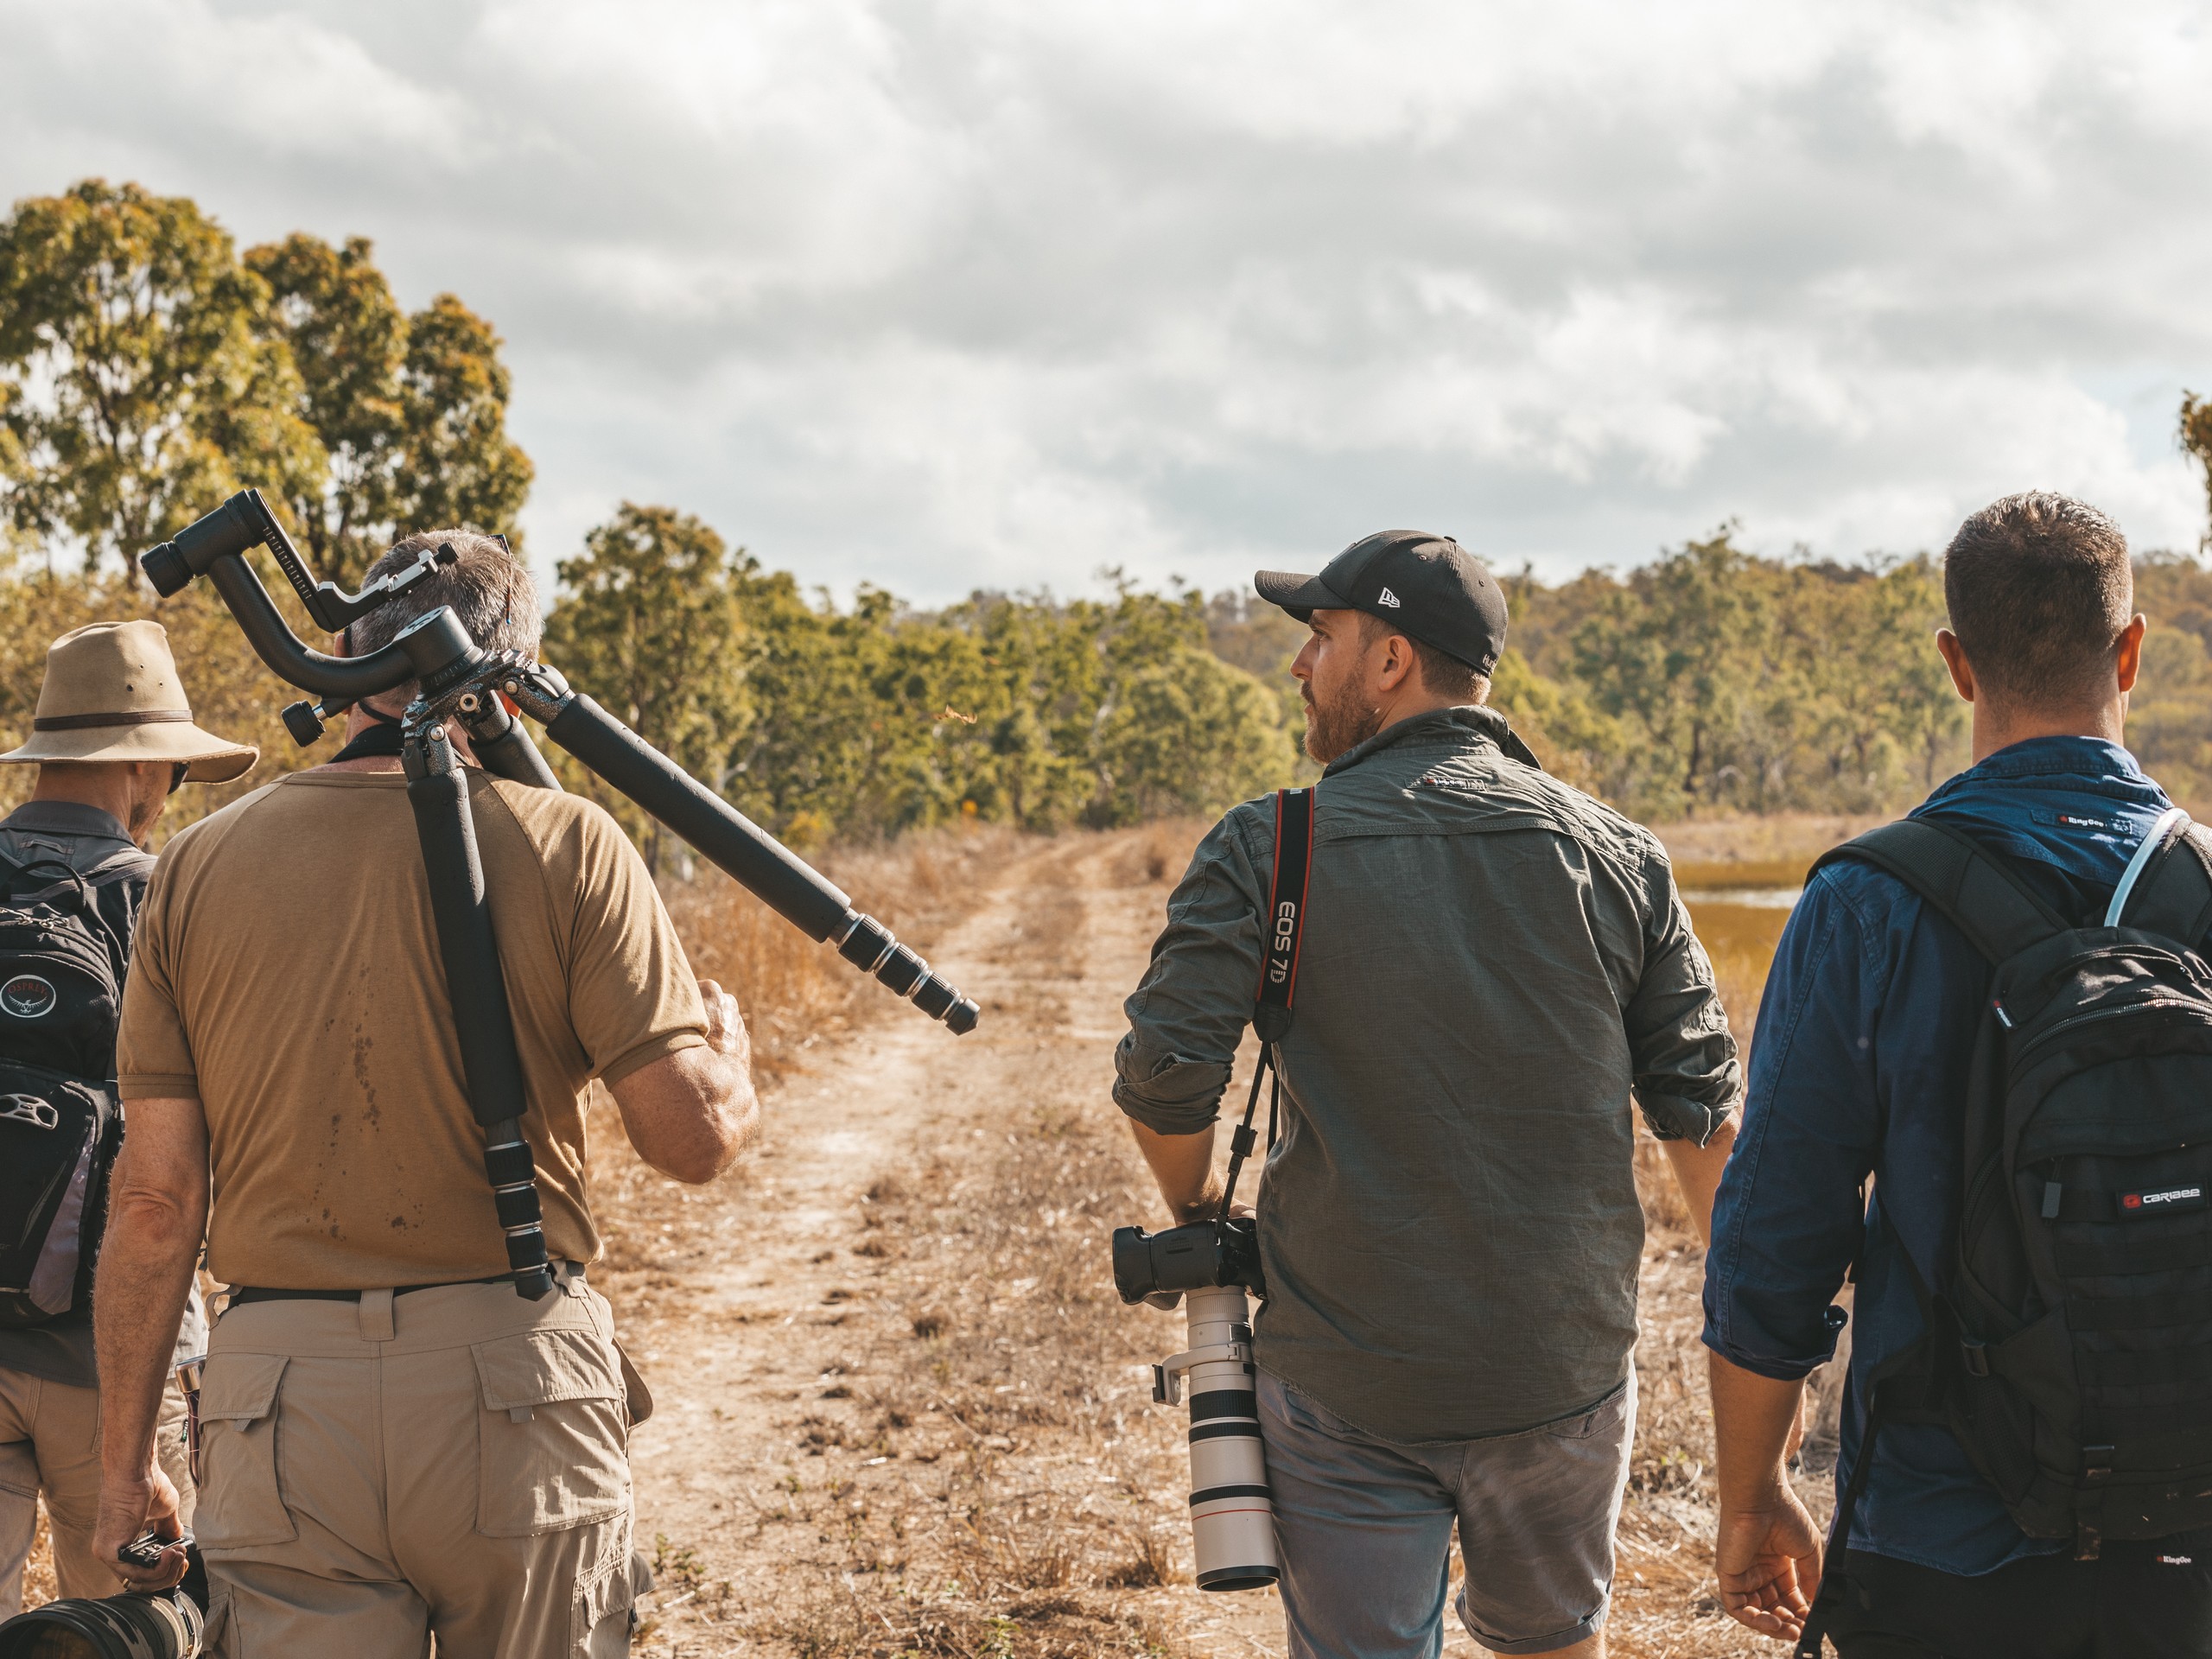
<point x="112" y="693"/>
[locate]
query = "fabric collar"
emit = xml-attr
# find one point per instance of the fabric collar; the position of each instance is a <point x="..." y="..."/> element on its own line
<point x="1435" y="724"/>
<point x="2081" y="805"/>
<point x="380" y="741"/>
<point x="66" y="818"/>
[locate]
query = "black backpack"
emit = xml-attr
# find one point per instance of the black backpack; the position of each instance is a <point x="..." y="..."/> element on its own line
<point x="61" y="997"/>
<point x="2070" y="1352"/>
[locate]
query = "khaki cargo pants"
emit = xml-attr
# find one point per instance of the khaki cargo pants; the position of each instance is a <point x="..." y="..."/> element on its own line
<point x="50" y="1446"/>
<point x="451" y="1462"/>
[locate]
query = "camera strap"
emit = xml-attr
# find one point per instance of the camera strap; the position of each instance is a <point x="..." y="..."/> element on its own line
<point x="1273" y="1008"/>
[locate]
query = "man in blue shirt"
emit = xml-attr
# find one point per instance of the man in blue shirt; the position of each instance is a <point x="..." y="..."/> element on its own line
<point x="1859" y="1068"/>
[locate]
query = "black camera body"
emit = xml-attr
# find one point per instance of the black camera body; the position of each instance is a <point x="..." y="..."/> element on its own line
<point x="1198" y="1255"/>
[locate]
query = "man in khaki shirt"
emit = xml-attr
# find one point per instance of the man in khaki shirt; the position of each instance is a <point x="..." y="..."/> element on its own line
<point x="454" y="1457"/>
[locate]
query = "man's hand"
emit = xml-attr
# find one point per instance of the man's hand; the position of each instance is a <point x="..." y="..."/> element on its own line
<point x="726" y="1031"/>
<point x="1768" y="1556"/>
<point x="128" y="1508"/>
<point x="1770" y="1564"/>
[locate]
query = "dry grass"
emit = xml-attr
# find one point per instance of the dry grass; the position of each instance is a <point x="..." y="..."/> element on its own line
<point x="796" y="994"/>
<point x="1744" y="852"/>
<point x="1028" y="1512"/>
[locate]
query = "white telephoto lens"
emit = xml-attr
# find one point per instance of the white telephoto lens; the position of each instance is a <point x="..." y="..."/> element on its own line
<point x="1232" y="1512"/>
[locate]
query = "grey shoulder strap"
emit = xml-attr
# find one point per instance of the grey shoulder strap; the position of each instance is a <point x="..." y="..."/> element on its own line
<point x="2172" y="892"/>
<point x="1949" y="869"/>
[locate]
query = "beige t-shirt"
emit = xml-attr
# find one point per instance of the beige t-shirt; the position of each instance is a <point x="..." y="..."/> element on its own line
<point x="287" y="975"/>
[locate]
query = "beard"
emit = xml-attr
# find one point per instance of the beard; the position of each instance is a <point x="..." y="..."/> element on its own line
<point x="1343" y="724"/>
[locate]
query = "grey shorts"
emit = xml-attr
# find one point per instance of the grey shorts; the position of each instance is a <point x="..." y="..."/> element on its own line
<point x="1365" y="1528"/>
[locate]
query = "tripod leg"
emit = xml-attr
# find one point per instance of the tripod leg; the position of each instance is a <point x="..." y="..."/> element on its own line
<point x="502" y="744"/>
<point x="438" y="792"/>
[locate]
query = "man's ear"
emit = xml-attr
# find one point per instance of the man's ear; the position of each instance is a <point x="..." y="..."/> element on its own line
<point x="1395" y="664"/>
<point x="2131" y="652"/>
<point x="1954" y="659"/>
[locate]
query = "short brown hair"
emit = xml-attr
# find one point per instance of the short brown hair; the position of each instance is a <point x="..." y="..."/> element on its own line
<point x="1441" y="673"/>
<point x="2040" y="589"/>
<point x="488" y="588"/>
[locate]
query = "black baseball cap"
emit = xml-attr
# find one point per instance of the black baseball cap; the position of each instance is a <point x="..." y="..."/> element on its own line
<point x="1428" y="587"/>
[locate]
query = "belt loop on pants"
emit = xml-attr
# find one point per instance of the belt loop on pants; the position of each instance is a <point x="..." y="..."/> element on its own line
<point x="376" y="1316"/>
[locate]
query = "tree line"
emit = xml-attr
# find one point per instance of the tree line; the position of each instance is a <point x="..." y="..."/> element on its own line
<point x="147" y="368"/>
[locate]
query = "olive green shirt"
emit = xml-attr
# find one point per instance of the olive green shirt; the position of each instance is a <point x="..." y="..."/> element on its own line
<point x="1492" y="961"/>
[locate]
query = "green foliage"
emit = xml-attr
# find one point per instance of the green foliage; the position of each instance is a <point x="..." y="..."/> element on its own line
<point x="138" y="384"/>
<point x="649" y="627"/>
<point x="460" y="467"/>
<point x="1187" y="736"/>
<point x="410" y="411"/>
<point x="821" y="721"/>
<point x="146" y="373"/>
<point x="2196" y="437"/>
<point x="1712" y="680"/>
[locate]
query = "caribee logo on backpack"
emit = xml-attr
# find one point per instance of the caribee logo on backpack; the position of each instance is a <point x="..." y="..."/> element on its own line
<point x="2166" y="1202"/>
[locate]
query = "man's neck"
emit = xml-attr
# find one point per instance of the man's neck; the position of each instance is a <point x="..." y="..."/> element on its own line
<point x="106" y="787"/>
<point x="1410" y="702"/>
<point x="1996" y="727"/>
<point x="359" y="721"/>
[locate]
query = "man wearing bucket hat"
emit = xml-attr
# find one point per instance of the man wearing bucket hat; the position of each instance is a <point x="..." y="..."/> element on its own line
<point x="1491" y="964"/>
<point x="112" y="738"/>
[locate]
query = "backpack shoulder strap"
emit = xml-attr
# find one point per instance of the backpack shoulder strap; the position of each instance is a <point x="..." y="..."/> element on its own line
<point x="1285" y="924"/>
<point x="1952" y="871"/>
<point x="2171" y="893"/>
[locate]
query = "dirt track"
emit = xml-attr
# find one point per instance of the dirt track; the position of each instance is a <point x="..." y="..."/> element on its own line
<point x="898" y="1409"/>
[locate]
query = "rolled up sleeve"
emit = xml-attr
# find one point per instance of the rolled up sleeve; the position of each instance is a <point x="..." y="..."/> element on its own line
<point x="1688" y="1081"/>
<point x="1188" y="1012"/>
<point x="1791" y="1214"/>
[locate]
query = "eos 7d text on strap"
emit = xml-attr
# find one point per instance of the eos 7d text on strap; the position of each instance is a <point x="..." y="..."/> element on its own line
<point x="1273" y="1008"/>
<point x="1286" y="914"/>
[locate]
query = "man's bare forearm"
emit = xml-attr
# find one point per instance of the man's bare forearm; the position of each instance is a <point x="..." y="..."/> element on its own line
<point x="157" y="1215"/>
<point x="1697" y="1171"/>
<point x="1752" y="1416"/>
<point x="1183" y="1165"/>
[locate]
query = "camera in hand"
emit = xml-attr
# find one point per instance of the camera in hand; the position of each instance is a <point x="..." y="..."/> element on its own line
<point x="1211" y="1264"/>
<point x="1200" y="1255"/>
<point x="136" y="1625"/>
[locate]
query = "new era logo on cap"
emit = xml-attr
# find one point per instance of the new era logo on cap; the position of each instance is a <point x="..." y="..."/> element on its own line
<point x="1386" y="597"/>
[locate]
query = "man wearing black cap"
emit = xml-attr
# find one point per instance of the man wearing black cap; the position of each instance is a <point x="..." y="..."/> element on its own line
<point x="1491" y="962"/>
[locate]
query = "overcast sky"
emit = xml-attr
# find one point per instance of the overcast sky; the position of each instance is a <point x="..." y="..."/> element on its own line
<point x="996" y="293"/>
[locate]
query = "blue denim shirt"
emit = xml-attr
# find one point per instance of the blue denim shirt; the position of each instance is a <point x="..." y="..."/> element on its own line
<point x="1858" y="1067"/>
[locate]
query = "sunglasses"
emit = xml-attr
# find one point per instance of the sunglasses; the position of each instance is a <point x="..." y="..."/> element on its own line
<point x="176" y="776"/>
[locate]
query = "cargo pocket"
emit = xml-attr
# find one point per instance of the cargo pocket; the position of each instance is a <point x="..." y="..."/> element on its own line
<point x="215" y="1638"/>
<point x="603" y="1614"/>
<point x="552" y="1452"/>
<point x="241" y="1502"/>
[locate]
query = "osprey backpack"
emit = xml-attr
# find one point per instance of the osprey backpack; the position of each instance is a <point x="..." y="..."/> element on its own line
<point x="61" y="997"/>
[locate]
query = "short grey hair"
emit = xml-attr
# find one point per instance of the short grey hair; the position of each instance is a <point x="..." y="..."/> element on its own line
<point x="485" y="585"/>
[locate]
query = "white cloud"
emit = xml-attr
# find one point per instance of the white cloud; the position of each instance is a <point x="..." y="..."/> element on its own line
<point x="937" y="296"/>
